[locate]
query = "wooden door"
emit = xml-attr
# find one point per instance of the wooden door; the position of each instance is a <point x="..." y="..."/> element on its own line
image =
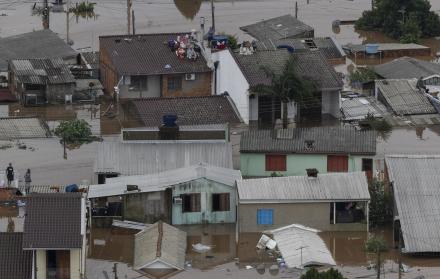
<point x="63" y="264"/>
<point x="337" y="163"/>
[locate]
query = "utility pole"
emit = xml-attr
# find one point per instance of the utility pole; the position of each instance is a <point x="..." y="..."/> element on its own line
<point x="128" y="17"/>
<point x="67" y="21"/>
<point x="133" y="20"/>
<point x="296" y="9"/>
<point x="46" y="15"/>
<point x="213" y="15"/>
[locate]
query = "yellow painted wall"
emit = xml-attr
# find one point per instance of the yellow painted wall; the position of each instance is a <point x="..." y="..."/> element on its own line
<point x="41" y="264"/>
<point x="75" y="263"/>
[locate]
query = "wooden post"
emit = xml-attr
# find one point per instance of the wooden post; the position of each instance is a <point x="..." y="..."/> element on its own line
<point x="296" y="9"/>
<point x="46" y="15"/>
<point x="133" y="22"/>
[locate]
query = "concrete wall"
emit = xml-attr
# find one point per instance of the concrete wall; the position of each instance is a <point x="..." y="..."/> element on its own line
<point x="55" y="93"/>
<point x="331" y="103"/>
<point x="315" y="215"/>
<point x="153" y="88"/>
<point x="230" y="79"/>
<point x="254" y="164"/>
<point x="201" y="86"/>
<point x="206" y="215"/>
<point x="146" y="207"/>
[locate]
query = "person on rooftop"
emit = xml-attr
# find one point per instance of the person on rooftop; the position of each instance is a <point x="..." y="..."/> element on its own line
<point x="10" y="174"/>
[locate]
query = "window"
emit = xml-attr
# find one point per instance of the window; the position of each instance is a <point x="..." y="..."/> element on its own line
<point x="265" y="217"/>
<point x="174" y="83"/>
<point x="220" y="202"/>
<point x="139" y="83"/>
<point x="337" y="163"/>
<point x="275" y="162"/>
<point x="191" y="202"/>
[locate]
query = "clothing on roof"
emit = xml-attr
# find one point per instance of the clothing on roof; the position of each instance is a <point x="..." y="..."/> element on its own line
<point x="189" y="110"/>
<point x="276" y="28"/>
<point x="160" y="245"/>
<point x="54" y="221"/>
<point x="407" y="68"/>
<point x="324" y="140"/>
<point x="415" y="180"/>
<point x="403" y="97"/>
<point x="148" y="54"/>
<point x="352" y="186"/>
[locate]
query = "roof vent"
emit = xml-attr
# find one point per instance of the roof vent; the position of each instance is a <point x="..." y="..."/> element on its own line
<point x="310" y="144"/>
<point x="313" y="173"/>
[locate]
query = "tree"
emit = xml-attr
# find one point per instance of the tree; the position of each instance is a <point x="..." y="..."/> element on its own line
<point x="287" y="86"/>
<point x="376" y="245"/>
<point x="406" y="20"/>
<point x="381" y="211"/>
<point x="329" y="274"/>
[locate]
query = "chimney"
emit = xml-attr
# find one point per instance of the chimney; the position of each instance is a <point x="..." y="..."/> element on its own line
<point x="313" y="173"/>
<point x="169" y="129"/>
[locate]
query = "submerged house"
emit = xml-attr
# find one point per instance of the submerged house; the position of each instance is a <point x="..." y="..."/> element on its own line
<point x="159" y="250"/>
<point x="292" y="151"/>
<point x="327" y="202"/>
<point x="41" y="81"/>
<point x="414" y="181"/>
<point x="237" y="73"/>
<point x="281" y="27"/>
<point x="191" y="195"/>
<point x="54" y="231"/>
<point x="148" y="65"/>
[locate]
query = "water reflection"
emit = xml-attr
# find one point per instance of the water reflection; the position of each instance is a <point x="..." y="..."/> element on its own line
<point x="188" y="8"/>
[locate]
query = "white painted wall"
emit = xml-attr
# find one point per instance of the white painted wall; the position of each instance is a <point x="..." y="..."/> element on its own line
<point x="331" y="103"/>
<point x="231" y="79"/>
<point x="41" y="264"/>
<point x="75" y="264"/>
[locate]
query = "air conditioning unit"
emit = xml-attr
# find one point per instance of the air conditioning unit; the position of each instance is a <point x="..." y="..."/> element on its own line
<point x="190" y="76"/>
<point x="177" y="200"/>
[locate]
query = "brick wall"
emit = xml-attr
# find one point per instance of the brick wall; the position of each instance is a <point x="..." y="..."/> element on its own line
<point x="109" y="76"/>
<point x="201" y="86"/>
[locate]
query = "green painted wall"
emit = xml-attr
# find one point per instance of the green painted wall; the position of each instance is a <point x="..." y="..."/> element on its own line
<point x="206" y="188"/>
<point x="253" y="164"/>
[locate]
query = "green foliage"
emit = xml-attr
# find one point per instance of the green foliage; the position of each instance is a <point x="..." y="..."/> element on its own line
<point x="276" y="174"/>
<point x="406" y="20"/>
<point x="83" y="7"/>
<point x="376" y="244"/>
<point x="381" y="205"/>
<point x="378" y="124"/>
<point x="329" y="274"/>
<point x="74" y="132"/>
<point x="363" y="75"/>
<point x="232" y="41"/>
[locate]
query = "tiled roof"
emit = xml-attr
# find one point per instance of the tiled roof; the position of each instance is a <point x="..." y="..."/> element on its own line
<point x="15" y="263"/>
<point x="148" y="54"/>
<point x="37" y="44"/>
<point x="42" y="71"/>
<point x="350" y="186"/>
<point x="53" y="221"/>
<point x="403" y="97"/>
<point x="310" y="65"/>
<point x="417" y="193"/>
<point x="407" y="67"/>
<point x="325" y="140"/>
<point x="285" y="26"/>
<point x="189" y="110"/>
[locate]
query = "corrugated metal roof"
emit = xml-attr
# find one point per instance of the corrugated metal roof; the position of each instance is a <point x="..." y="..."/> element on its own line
<point x="148" y="54"/>
<point x="326" y="140"/>
<point x="350" y="186"/>
<point x="276" y="28"/>
<point x="416" y="186"/>
<point x="301" y="246"/>
<point x="22" y="128"/>
<point x="37" y="44"/>
<point x="161" y="181"/>
<point x="42" y="71"/>
<point x="403" y="96"/>
<point x="147" y="158"/>
<point x="359" y="108"/>
<point x="160" y="242"/>
<point x="406" y="68"/>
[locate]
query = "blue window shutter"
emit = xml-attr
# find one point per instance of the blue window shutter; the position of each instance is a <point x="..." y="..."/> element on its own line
<point x="265" y="216"/>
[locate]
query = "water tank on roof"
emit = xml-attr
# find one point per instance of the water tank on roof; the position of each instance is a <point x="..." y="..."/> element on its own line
<point x="371" y="48"/>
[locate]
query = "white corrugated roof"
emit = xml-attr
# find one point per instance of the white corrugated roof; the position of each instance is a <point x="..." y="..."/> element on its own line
<point x="146" y="158"/>
<point x="160" y="181"/>
<point x="416" y="186"/>
<point x="350" y="186"/>
<point x="302" y="246"/>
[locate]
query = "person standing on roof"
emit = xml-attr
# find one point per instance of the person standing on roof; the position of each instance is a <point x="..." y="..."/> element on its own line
<point x="27" y="181"/>
<point x="10" y="174"/>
